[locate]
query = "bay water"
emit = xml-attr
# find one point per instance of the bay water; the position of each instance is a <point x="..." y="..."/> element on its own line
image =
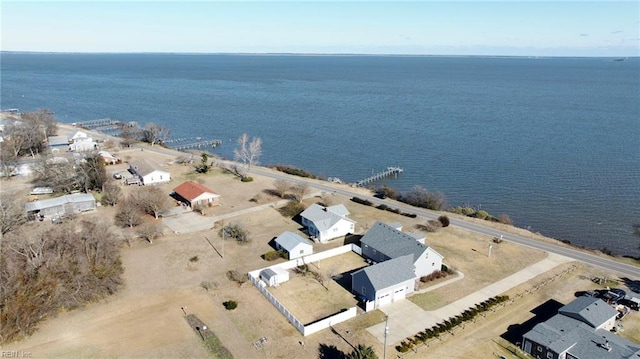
<point x="552" y="142"/>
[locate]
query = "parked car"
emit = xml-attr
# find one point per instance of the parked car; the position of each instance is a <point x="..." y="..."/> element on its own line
<point x="633" y="303"/>
<point x="117" y="175"/>
<point x="613" y="295"/>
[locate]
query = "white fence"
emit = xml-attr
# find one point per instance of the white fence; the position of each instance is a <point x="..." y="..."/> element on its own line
<point x="262" y="286"/>
<point x="327" y="322"/>
<point x="254" y="277"/>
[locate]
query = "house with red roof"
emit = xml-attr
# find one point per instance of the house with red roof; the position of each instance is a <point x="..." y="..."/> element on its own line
<point x="196" y="195"/>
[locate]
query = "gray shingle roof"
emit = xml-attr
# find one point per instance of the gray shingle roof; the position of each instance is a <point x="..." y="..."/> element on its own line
<point x="561" y="333"/>
<point x="144" y="167"/>
<point x="289" y="240"/>
<point x="391" y="272"/>
<point x="589" y="310"/>
<point x="325" y="217"/>
<point x="392" y="242"/>
<point x="58" y="201"/>
<point x="579" y="337"/>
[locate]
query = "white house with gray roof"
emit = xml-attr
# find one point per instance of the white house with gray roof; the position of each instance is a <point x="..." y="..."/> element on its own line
<point x="326" y="223"/>
<point x="294" y="245"/>
<point x="149" y="172"/>
<point x="383" y="242"/>
<point x="385" y="282"/>
<point x="400" y="258"/>
<point x="580" y="330"/>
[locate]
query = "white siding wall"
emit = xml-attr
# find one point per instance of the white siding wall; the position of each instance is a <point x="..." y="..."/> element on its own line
<point x="428" y="263"/>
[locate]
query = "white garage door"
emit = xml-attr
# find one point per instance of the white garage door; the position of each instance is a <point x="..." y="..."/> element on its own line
<point x="399" y="294"/>
<point x="385" y="299"/>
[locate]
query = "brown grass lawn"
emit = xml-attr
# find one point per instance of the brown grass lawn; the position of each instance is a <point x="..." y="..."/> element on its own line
<point x="308" y="300"/>
<point x="468" y="253"/>
<point x="145" y="320"/>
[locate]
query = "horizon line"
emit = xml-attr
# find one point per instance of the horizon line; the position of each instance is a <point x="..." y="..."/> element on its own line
<point x="297" y="54"/>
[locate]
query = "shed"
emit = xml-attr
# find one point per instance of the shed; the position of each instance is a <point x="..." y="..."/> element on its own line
<point x="294" y="245"/>
<point x="274" y="276"/>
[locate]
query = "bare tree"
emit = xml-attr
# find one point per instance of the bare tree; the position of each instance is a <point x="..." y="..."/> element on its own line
<point x="111" y="193"/>
<point x="92" y="171"/>
<point x="155" y="134"/>
<point x="12" y="213"/>
<point x="300" y="190"/>
<point x="8" y="159"/>
<point x="152" y="200"/>
<point x="282" y="187"/>
<point x="129" y="134"/>
<point x="43" y="119"/>
<point x="60" y="176"/>
<point x="128" y="214"/>
<point x="248" y="152"/>
<point x="150" y="231"/>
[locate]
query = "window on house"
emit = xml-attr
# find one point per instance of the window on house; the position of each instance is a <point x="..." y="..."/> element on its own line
<point x="302" y="251"/>
<point x="433" y="264"/>
<point x="364" y="290"/>
<point x="539" y="348"/>
<point x="549" y="355"/>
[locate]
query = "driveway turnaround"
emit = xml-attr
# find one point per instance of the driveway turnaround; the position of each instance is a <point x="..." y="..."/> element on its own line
<point x="407" y="319"/>
<point x="188" y="222"/>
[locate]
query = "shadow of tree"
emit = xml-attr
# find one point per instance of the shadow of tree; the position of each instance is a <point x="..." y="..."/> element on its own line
<point x="329" y="352"/>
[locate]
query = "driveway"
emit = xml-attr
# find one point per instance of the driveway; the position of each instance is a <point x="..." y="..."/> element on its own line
<point x="407" y="319"/>
<point x="188" y="222"/>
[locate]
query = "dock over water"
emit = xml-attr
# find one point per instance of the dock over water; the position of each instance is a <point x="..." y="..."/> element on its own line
<point x="390" y="171"/>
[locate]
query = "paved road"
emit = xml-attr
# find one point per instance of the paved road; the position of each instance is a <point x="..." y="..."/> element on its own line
<point x="606" y="263"/>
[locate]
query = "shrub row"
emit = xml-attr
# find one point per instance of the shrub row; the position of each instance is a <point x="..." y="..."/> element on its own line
<point x="478" y="213"/>
<point x="433" y="276"/>
<point x="361" y="201"/>
<point x="295" y="171"/>
<point x="383" y="207"/>
<point x="440" y="328"/>
<point x="246" y="179"/>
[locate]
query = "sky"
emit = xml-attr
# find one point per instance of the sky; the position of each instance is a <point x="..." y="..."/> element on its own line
<point x="500" y="28"/>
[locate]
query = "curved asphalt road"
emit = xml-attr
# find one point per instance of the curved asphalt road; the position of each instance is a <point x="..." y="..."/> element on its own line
<point x="606" y="263"/>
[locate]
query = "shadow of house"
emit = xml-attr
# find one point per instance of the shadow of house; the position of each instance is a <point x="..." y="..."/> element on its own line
<point x="352" y="239"/>
<point x="542" y="313"/>
<point x="344" y="279"/>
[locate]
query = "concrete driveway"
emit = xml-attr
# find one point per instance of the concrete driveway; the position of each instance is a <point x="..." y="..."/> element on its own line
<point x="407" y="319"/>
<point x="188" y="222"/>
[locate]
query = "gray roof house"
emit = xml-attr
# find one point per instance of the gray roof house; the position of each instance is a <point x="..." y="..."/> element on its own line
<point x="383" y="242"/>
<point x="581" y="329"/>
<point x="385" y="282"/>
<point x="57" y="143"/>
<point x="326" y="223"/>
<point x="294" y="245"/>
<point x="148" y="172"/>
<point x="58" y="206"/>
<point x="400" y="259"/>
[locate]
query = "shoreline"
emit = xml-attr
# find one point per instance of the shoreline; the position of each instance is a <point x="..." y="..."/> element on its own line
<point x="173" y="153"/>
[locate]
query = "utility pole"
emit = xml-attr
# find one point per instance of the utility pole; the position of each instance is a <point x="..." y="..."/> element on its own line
<point x="490" y="247"/>
<point x="223" y="239"/>
<point x="386" y="331"/>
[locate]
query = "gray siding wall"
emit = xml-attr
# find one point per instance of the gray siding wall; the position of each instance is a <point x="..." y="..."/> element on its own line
<point x="360" y="281"/>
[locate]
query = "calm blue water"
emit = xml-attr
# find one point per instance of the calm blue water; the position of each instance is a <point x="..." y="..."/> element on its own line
<point x="554" y="143"/>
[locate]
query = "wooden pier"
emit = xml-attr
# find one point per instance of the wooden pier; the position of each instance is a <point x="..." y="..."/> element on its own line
<point x="199" y="144"/>
<point x="97" y="124"/>
<point x="388" y="172"/>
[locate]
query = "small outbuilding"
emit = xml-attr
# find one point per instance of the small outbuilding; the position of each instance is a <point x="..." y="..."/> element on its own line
<point x="274" y="276"/>
<point x="294" y="245"/>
